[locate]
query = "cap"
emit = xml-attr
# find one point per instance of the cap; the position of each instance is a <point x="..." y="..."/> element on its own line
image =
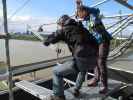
<point x="63" y="19"/>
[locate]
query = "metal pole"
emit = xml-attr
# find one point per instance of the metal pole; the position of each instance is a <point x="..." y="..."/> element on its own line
<point x="7" y="50"/>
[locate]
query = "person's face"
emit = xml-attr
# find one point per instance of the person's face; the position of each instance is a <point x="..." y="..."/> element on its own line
<point x="82" y="14"/>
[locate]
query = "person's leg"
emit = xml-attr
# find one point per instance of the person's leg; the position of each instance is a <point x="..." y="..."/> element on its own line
<point x="58" y="73"/>
<point x="96" y="73"/>
<point x="103" y="72"/>
<point x="103" y="54"/>
<point x="80" y="79"/>
<point x="94" y="81"/>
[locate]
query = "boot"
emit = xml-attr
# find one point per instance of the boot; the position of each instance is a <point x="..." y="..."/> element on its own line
<point x="76" y="92"/>
<point x="104" y="90"/>
<point x="93" y="82"/>
<point x="104" y="83"/>
<point x="53" y="97"/>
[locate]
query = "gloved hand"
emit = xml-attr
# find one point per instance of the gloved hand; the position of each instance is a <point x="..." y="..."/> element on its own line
<point x="46" y="43"/>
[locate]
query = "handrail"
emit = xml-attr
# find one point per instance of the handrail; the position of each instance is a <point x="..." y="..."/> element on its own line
<point x="22" y="69"/>
<point x="116" y="16"/>
<point x="121" y="28"/>
<point x="121" y="48"/>
<point x="121" y="25"/>
<point x="116" y="23"/>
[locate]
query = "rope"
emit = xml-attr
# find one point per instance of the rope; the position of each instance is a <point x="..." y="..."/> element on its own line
<point x="106" y="28"/>
<point x="116" y="16"/>
<point x="121" y="29"/>
<point x="121" y="25"/>
<point x="102" y="2"/>
<point x="121" y="48"/>
<point x="116" y="23"/>
<point x="20" y="8"/>
<point x="17" y="10"/>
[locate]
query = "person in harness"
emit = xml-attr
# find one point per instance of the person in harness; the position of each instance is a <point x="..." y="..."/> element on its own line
<point x="83" y="47"/>
<point x="92" y="22"/>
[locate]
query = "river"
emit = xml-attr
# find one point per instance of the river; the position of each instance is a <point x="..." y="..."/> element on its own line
<point x="25" y="52"/>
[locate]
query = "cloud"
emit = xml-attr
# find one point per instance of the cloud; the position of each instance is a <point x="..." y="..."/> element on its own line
<point x="20" y="18"/>
<point x="19" y="23"/>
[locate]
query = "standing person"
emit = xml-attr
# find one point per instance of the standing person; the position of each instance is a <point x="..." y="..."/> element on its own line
<point x="83" y="47"/>
<point x="95" y="26"/>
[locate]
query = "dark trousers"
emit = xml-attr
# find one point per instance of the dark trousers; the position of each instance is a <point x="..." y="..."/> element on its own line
<point x="100" y="71"/>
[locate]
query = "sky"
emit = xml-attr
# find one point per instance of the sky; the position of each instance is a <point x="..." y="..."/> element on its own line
<point x="37" y="12"/>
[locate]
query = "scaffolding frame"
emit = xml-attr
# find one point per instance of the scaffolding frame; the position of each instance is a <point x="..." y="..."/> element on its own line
<point x="10" y="83"/>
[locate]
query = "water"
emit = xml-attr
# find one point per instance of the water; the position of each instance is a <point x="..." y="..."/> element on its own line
<point x="25" y="52"/>
<point x="130" y="57"/>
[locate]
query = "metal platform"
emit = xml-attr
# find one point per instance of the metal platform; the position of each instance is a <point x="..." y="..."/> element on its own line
<point x="91" y="93"/>
<point x="87" y="93"/>
<point x="34" y="89"/>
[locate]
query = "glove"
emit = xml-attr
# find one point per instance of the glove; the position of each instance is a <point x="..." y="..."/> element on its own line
<point x="46" y="43"/>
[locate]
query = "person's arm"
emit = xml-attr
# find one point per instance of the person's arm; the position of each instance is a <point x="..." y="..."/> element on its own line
<point x="79" y="3"/>
<point x="54" y="37"/>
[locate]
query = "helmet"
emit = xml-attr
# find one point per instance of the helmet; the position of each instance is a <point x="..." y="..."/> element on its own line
<point x="63" y="19"/>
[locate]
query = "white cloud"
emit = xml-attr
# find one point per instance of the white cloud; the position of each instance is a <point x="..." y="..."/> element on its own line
<point x="20" y="18"/>
<point x="19" y="23"/>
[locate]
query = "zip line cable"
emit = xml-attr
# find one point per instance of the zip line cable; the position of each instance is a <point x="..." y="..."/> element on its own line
<point x="116" y="23"/>
<point x="18" y="10"/>
<point x="122" y="25"/>
<point x="102" y="2"/>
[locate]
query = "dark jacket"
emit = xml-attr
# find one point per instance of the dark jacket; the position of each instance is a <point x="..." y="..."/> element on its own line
<point x="80" y="42"/>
